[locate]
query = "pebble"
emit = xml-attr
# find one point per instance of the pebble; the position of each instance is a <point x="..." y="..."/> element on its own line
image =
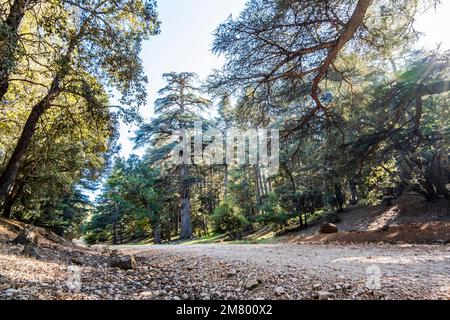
<point x="279" y="291"/>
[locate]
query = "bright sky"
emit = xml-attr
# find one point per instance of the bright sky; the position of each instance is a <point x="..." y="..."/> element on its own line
<point x="183" y="46"/>
<point x="186" y="37"/>
<point x="436" y="27"/>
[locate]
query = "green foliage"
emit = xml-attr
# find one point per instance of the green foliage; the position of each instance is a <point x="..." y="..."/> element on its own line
<point x="130" y="203"/>
<point x="227" y="218"/>
<point x="273" y="214"/>
<point x="382" y="182"/>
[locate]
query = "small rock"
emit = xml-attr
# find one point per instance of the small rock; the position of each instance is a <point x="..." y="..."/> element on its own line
<point x="185" y="296"/>
<point x="177" y="298"/>
<point x="252" y="284"/>
<point x="232" y="273"/>
<point x="328" y="228"/>
<point x="9" y="292"/>
<point x="77" y="261"/>
<point x="124" y="263"/>
<point x="324" y="295"/>
<point x="30" y="251"/>
<point x="146" y="294"/>
<point x="279" y="291"/>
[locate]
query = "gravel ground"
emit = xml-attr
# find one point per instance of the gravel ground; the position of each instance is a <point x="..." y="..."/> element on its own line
<point x="202" y="272"/>
<point x="370" y="270"/>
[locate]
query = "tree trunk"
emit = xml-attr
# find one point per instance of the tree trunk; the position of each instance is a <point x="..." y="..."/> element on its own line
<point x="354" y="192"/>
<point x="261" y="187"/>
<point x="264" y="181"/>
<point x="12" y="168"/>
<point x="9" y="175"/>
<point x="177" y="218"/>
<point x="258" y="189"/>
<point x="352" y="26"/>
<point x="11" y="199"/>
<point x="339" y="197"/>
<point x="156" y="232"/>
<point x="186" y="220"/>
<point x="8" y="43"/>
<point x="438" y="174"/>
<point x="225" y="183"/>
<point x="114" y="232"/>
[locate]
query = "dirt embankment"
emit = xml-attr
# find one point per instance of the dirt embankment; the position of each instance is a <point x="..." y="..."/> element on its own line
<point x="423" y="233"/>
<point x="408" y="220"/>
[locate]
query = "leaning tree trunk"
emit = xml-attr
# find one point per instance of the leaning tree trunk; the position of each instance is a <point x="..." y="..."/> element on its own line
<point x="11" y="199"/>
<point x="186" y="219"/>
<point x="8" y="43"/>
<point x="9" y="175"/>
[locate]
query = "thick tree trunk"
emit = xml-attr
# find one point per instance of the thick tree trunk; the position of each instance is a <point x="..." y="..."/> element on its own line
<point x="186" y="219"/>
<point x="258" y="187"/>
<point x="8" y="43"/>
<point x="438" y="174"/>
<point x="429" y="191"/>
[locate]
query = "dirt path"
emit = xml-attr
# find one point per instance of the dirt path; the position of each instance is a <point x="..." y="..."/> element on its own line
<point x="236" y="272"/>
<point x="394" y="271"/>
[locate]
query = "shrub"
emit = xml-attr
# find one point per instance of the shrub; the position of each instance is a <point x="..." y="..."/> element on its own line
<point x="332" y="217"/>
<point x="90" y="238"/>
<point x="228" y="218"/>
<point x="273" y="214"/>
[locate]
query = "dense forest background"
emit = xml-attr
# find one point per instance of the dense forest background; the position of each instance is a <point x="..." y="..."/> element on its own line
<point x="364" y="117"/>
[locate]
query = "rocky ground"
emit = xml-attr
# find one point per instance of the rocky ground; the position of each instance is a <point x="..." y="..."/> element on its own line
<point x="65" y="271"/>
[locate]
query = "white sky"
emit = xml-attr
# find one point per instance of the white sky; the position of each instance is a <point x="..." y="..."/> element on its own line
<point x="435" y="25"/>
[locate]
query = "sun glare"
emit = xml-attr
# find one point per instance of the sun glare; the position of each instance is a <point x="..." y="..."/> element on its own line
<point x="435" y="26"/>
